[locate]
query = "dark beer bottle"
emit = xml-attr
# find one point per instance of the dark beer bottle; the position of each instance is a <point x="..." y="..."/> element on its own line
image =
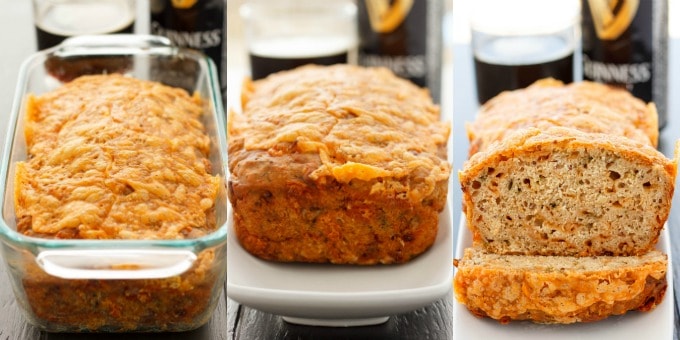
<point x="197" y="24"/>
<point x="404" y="36"/>
<point x="625" y="44"/>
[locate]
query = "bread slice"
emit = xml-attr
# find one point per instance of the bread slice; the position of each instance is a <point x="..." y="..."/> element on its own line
<point x="561" y="191"/>
<point x="558" y="289"/>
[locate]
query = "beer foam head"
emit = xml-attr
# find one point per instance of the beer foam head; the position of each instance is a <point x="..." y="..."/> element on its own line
<point x="86" y="17"/>
<point x="299" y="21"/>
<point x="523" y="17"/>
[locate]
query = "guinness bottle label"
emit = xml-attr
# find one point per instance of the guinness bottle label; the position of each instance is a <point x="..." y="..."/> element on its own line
<point x="625" y="45"/>
<point x="197" y="24"/>
<point x="404" y="36"/>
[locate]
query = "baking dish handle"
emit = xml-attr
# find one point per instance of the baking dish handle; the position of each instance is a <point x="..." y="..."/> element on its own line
<point x="119" y="264"/>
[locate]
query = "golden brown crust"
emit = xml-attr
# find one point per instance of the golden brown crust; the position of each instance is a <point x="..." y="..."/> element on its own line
<point x="586" y="106"/>
<point x="337" y="164"/>
<point x="113" y="157"/>
<point x="549" y="289"/>
<point x="362" y="123"/>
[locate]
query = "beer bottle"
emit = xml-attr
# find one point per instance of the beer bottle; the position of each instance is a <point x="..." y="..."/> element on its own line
<point x="625" y="44"/>
<point x="404" y="36"/>
<point x="197" y="24"/>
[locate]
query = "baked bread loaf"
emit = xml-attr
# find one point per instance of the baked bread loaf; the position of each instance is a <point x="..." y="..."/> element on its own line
<point x="565" y="196"/>
<point x="337" y="164"/>
<point x="558" y="289"/>
<point x="558" y="190"/>
<point x="114" y="157"/>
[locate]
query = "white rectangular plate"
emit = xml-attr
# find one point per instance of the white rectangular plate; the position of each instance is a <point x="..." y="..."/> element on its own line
<point x="656" y="324"/>
<point x="341" y="295"/>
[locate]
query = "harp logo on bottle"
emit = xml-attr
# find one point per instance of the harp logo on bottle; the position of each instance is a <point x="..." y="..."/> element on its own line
<point x="386" y="18"/>
<point x="183" y="3"/>
<point x="612" y="17"/>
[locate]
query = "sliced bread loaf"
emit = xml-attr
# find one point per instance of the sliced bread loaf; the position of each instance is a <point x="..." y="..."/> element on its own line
<point x="558" y="289"/>
<point x="561" y="191"/>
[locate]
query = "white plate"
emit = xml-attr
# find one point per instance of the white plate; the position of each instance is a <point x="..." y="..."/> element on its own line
<point x="657" y="324"/>
<point x="338" y="295"/>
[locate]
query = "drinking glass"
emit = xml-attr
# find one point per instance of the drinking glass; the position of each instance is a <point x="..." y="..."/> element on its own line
<point x="517" y="42"/>
<point x="282" y="35"/>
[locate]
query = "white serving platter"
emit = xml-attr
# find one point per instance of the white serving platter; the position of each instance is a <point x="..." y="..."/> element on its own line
<point x="341" y="295"/>
<point x="657" y="324"/>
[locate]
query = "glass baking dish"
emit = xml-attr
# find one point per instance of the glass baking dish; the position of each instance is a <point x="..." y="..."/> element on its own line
<point x="116" y="285"/>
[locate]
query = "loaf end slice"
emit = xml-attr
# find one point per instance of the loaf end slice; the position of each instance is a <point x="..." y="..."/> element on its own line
<point x="558" y="289"/>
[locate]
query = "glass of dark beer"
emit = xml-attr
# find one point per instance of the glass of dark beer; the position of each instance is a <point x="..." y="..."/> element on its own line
<point x="517" y="42"/>
<point x="56" y="20"/>
<point x="282" y="35"/>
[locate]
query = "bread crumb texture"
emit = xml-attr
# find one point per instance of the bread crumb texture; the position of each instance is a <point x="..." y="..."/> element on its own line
<point x="113" y="157"/>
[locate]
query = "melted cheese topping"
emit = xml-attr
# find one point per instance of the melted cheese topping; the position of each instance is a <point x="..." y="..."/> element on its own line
<point x="115" y="157"/>
<point x="363" y="123"/>
<point x="586" y="106"/>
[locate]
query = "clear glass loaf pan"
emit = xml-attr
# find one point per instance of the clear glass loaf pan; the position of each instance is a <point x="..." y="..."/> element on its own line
<point x="115" y="285"/>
